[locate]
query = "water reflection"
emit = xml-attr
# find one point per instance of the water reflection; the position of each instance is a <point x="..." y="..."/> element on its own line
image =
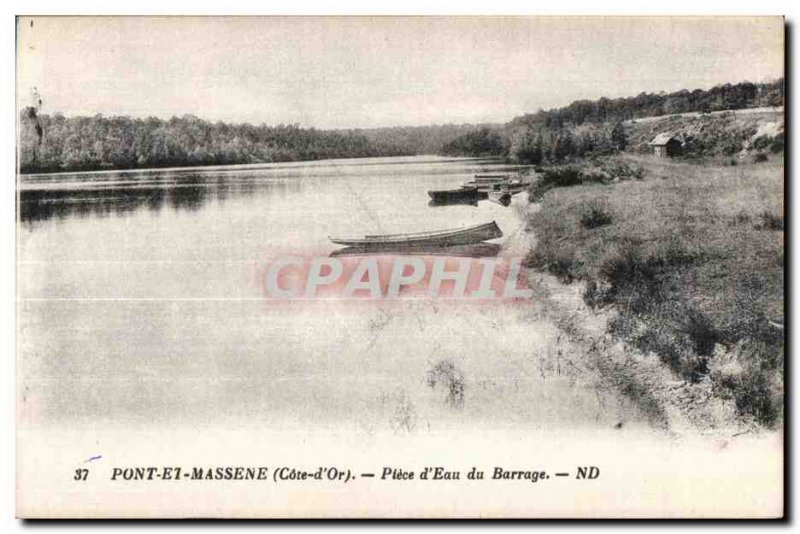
<point x="102" y="194"/>
<point x="181" y="193"/>
<point x="453" y="202"/>
<point x="503" y="200"/>
<point x="158" y="315"/>
<point x="42" y="205"/>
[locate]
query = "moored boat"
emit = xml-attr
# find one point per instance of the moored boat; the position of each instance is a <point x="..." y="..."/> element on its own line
<point x="454" y="236"/>
<point x="487" y="183"/>
<point x="475" y="250"/>
<point x="489" y="177"/>
<point x="454" y="195"/>
<point x="517" y="187"/>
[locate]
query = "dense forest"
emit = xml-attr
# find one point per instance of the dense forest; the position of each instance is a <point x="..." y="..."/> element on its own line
<point x="57" y="143"/>
<point x="52" y="143"/>
<point x="482" y="142"/>
<point x="595" y="127"/>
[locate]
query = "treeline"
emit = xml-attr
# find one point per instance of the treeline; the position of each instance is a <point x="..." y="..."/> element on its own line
<point x="57" y="143"/>
<point x="483" y="142"/>
<point x="595" y="127"/>
<point x="419" y="140"/>
<point x="541" y="144"/>
<point x="546" y="145"/>
<point x="720" y="98"/>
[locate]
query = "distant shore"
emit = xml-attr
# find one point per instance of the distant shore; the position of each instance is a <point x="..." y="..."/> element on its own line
<point x="373" y="160"/>
<point x="55" y="143"/>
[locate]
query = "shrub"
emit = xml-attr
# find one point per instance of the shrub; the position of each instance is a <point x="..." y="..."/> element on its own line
<point x="777" y="144"/>
<point x="660" y="332"/>
<point x="730" y="146"/>
<point x="744" y="374"/>
<point x="641" y="285"/>
<point x="595" y="217"/>
<point x="770" y="221"/>
<point x="597" y="294"/>
<point x="598" y="171"/>
<point x="764" y="142"/>
<point x="741" y="217"/>
<point x="562" y="176"/>
<point x="758" y="158"/>
<point x="700" y="331"/>
<point x="562" y="267"/>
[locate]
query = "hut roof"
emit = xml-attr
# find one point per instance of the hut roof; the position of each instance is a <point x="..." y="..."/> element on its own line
<point x="662" y="139"/>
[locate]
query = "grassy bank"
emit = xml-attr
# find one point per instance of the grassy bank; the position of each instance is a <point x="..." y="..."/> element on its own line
<point x="691" y="255"/>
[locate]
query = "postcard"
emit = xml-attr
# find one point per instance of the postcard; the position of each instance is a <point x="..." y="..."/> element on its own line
<point x="400" y="267"/>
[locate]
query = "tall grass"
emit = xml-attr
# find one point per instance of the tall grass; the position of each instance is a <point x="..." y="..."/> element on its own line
<point x="692" y="258"/>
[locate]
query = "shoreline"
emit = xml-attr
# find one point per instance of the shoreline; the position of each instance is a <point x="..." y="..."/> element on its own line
<point x="673" y="404"/>
<point x="257" y="166"/>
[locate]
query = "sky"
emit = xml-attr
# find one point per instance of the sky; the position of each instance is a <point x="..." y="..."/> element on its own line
<point x="359" y="72"/>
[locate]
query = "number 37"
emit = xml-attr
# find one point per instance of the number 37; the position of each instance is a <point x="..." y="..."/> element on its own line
<point x="81" y="474"/>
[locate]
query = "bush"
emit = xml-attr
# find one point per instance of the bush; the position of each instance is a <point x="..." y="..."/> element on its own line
<point x="561" y="267"/>
<point x="741" y="217"/>
<point x="777" y="144"/>
<point x="764" y="142"/>
<point x="595" y="217"/>
<point x="758" y="158"/>
<point x="598" y="171"/>
<point x="761" y="142"/>
<point x="730" y="146"/>
<point x="641" y="285"/>
<point x="770" y="221"/>
<point x="743" y="374"/>
<point x="666" y="331"/>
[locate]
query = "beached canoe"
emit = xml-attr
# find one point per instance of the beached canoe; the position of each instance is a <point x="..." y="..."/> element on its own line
<point x="442" y="238"/>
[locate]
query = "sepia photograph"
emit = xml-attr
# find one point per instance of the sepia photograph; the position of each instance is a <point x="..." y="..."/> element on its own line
<point x="400" y="267"/>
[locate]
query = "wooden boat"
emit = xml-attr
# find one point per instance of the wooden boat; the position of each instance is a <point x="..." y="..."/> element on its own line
<point x="441" y="238"/>
<point x="475" y="250"/>
<point x="492" y="177"/>
<point x="513" y="188"/>
<point x="454" y="195"/>
<point x="486" y="183"/>
<point x="518" y="188"/>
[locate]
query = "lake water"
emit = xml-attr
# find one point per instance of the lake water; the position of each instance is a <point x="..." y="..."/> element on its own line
<point x="139" y="303"/>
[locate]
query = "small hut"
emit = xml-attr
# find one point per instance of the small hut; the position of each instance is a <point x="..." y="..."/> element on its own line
<point x="665" y="145"/>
